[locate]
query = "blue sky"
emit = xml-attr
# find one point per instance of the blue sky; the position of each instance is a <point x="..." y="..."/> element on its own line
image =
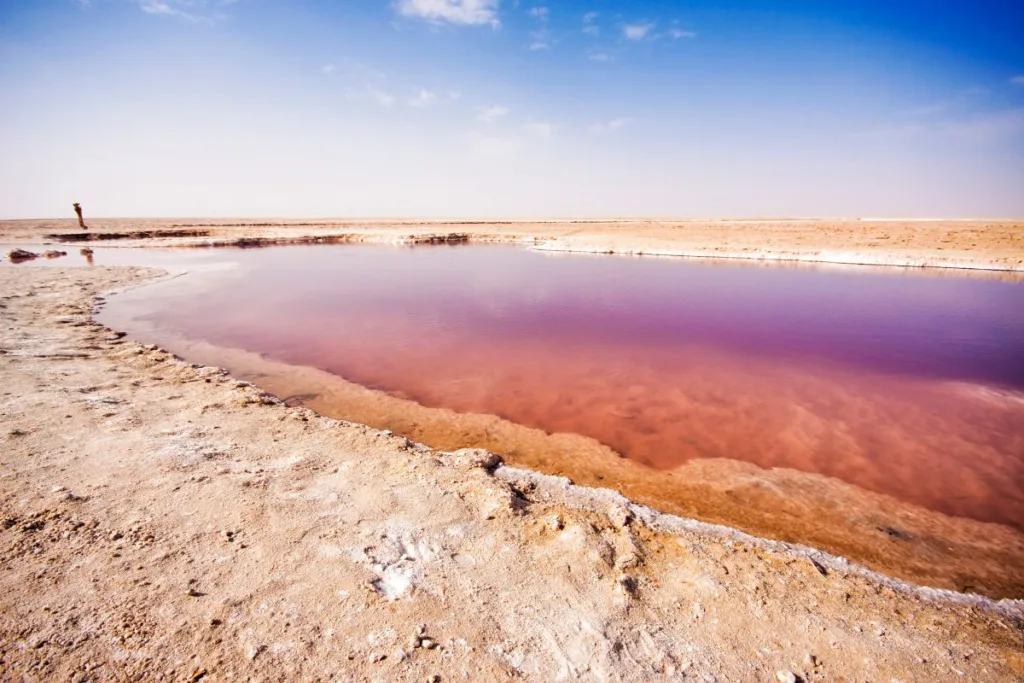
<point x="496" y="108"/>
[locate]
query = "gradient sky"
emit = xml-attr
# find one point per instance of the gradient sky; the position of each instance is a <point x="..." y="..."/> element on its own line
<point x="498" y="108"/>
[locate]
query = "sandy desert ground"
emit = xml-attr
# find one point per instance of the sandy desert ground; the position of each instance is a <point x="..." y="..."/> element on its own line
<point x="164" y="521"/>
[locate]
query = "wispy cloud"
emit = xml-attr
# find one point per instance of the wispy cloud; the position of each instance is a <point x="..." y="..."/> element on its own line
<point x="637" y="31"/>
<point x="464" y="12"/>
<point x="539" y="129"/>
<point x="600" y="57"/>
<point x="492" y="113"/>
<point x="84" y="4"/>
<point x="327" y="69"/>
<point x="174" y="8"/>
<point x="1017" y="80"/>
<point x="539" y="41"/>
<point x="589" y="27"/>
<point x="540" y="13"/>
<point x="422" y="98"/>
<point x="676" y="33"/>
<point x="609" y="126"/>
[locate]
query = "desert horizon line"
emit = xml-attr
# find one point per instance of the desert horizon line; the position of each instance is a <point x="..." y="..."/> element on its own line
<point x="483" y="219"/>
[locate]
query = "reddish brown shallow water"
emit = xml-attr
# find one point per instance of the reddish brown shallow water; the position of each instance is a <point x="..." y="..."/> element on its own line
<point x="904" y="383"/>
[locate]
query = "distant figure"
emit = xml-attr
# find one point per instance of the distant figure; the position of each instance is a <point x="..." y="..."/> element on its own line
<point x="81" y="222"/>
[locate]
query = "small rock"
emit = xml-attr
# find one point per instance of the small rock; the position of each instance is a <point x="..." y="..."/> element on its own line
<point x="785" y="677"/>
<point x="53" y="253"/>
<point x="377" y="657"/>
<point x="627" y="561"/>
<point x="434" y="679"/>
<point x="18" y="255"/>
<point x="427" y="643"/>
<point x="619" y="516"/>
<point x="477" y="457"/>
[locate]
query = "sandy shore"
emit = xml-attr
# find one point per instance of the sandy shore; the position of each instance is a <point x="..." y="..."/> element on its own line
<point x="983" y="245"/>
<point x="162" y="521"/>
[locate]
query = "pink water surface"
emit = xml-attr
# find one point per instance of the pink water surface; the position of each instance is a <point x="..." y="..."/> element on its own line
<point x="906" y="383"/>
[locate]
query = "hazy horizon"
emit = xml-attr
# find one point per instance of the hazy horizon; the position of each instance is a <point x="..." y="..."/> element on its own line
<point x="506" y="109"/>
<point x="536" y="219"/>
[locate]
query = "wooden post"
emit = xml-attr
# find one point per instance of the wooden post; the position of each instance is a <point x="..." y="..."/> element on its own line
<point x="81" y="222"/>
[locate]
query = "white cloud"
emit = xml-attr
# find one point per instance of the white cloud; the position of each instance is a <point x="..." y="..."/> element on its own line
<point x="491" y="114"/>
<point x="327" y="69"/>
<point x="540" y="129"/>
<point x="423" y="98"/>
<point x="600" y="57"/>
<point x="589" y="27"/>
<point x="677" y="33"/>
<point x="590" y="17"/>
<point x="384" y="99"/>
<point x="540" y="13"/>
<point x="540" y="40"/>
<point x="194" y="11"/>
<point x="465" y="12"/>
<point x="84" y="4"/>
<point x="162" y="8"/>
<point x="592" y="30"/>
<point x="1017" y="80"/>
<point x="609" y="126"/>
<point x="637" y="31"/>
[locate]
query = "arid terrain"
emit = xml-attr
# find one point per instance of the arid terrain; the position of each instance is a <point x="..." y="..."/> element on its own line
<point x="989" y="245"/>
<point x="164" y="521"/>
